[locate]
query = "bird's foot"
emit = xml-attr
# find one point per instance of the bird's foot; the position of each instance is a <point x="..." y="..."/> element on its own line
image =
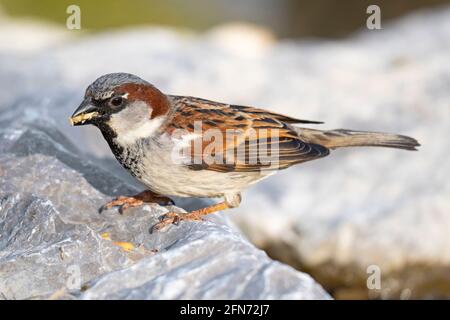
<point x="196" y="215"/>
<point x="137" y="200"/>
<point x="175" y="218"/>
<point x="123" y="203"/>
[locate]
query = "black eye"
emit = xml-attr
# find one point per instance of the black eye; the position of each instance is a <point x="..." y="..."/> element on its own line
<point x="116" y="101"/>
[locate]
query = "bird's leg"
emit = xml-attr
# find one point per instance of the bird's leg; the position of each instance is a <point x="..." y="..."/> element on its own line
<point x="196" y="215"/>
<point x="137" y="200"/>
<point x="231" y="201"/>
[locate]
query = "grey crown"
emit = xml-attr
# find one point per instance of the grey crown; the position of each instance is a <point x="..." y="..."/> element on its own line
<point x="102" y="87"/>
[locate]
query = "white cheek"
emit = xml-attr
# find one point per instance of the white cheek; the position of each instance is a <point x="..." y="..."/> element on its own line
<point x="143" y="129"/>
<point x="133" y="123"/>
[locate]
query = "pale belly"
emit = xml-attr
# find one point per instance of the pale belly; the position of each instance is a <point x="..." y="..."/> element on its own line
<point x="160" y="174"/>
<point x="165" y="178"/>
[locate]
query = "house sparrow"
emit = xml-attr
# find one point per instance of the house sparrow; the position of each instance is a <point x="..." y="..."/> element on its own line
<point x="165" y="141"/>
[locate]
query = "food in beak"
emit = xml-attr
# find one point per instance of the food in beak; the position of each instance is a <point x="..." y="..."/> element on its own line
<point x="82" y="118"/>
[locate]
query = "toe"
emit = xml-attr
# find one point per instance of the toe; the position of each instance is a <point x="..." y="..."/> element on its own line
<point x="156" y="227"/>
<point x="110" y="204"/>
<point x="123" y="203"/>
<point x="169" y="216"/>
<point x="123" y="207"/>
<point x="101" y="209"/>
<point x="169" y="202"/>
<point x="176" y="220"/>
<point x="165" y="220"/>
<point x="164" y="201"/>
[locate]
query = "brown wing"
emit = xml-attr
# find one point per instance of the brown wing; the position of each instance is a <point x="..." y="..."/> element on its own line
<point x="268" y="114"/>
<point x="241" y="139"/>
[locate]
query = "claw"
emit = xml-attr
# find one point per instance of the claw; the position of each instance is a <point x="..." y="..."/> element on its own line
<point x="154" y="228"/>
<point x="124" y="207"/>
<point x="134" y="201"/>
<point x="123" y="203"/>
<point x="174" y="218"/>
<point x="164" y="220"/>
<point x="164" y="201"/>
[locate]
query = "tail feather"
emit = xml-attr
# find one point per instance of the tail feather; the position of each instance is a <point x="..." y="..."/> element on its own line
<point x="349" y="138"/>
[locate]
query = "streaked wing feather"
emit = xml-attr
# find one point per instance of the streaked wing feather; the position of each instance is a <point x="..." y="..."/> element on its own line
<point x="268" y="129"/>
<point x="274" y="115"/>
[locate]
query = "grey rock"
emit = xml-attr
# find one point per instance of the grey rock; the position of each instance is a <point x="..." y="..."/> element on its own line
<point x="54" y="243"/>
<point x="207" y="262"/>
<point x="40" y="253"/>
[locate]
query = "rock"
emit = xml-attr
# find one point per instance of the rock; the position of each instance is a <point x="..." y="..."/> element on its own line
<point x="55" y="244"/>
<point x="337" y="218"/>
<point x="206" y="262"/>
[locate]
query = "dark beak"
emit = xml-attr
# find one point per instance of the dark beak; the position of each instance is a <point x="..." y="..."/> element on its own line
<point x="84" y="114"/>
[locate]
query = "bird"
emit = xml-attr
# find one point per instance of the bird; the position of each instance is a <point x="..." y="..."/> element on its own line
<point x="192" y="147"/>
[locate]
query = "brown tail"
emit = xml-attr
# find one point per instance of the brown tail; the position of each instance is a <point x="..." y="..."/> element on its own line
<point x="348" y="138"/>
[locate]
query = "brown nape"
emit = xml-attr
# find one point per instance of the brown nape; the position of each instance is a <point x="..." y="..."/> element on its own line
<point x="149" y="94"/>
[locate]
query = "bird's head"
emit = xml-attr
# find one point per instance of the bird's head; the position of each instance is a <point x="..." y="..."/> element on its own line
<point x="125" y="104"/>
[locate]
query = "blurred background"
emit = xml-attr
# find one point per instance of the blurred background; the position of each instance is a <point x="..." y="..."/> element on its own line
<point x="337" y="218"/>
<point x="286" y="18"/>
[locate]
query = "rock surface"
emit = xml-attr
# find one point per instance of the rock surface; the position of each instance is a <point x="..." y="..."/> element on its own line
<point x="55" y="244"/>
<point x="335" y="218"/>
